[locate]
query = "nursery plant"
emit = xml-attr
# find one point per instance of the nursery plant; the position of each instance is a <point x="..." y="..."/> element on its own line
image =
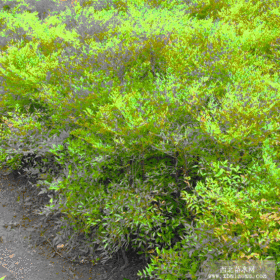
<point x="154" y="123"/>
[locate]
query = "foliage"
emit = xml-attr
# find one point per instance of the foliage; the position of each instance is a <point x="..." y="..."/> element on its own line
<point x="157" y="132"/>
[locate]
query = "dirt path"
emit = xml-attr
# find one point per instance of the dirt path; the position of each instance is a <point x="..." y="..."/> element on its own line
<point x="23" y="254"/>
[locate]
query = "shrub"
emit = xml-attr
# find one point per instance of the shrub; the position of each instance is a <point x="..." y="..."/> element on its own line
<point x="159" y="129"/>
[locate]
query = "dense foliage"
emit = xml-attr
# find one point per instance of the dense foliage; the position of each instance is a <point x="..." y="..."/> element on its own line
<point x="164" y="137"/>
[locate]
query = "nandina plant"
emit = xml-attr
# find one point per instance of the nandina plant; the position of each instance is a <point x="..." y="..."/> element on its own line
<point x="173" y="125"/>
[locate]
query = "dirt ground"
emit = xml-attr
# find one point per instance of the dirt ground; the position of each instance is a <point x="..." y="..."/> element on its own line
<point x="26" y="249"/>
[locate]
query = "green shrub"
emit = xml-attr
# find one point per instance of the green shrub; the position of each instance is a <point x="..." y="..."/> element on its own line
<point x="156" y="129"/>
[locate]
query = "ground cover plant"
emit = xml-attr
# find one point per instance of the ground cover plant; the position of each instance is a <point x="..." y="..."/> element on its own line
<point x="161" y="137"/>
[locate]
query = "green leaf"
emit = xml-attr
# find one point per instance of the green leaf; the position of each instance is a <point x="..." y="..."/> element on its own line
<point x="220" y="173"/>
